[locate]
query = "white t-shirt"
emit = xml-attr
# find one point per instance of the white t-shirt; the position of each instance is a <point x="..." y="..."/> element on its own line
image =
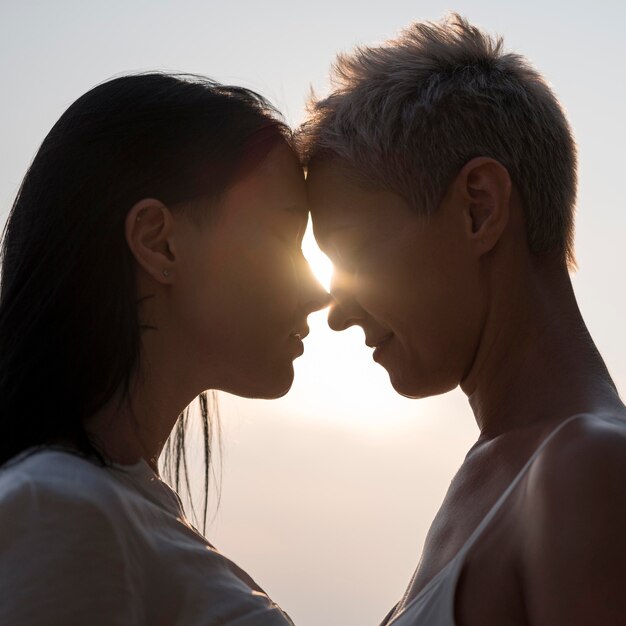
<point x="83" y="545"/>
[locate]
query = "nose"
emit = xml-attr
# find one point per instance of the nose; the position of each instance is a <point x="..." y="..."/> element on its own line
<point x="344" y="311"/>
<point x="313" y="296"/>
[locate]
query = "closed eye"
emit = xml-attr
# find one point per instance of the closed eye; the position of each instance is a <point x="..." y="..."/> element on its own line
<point x="348" y="250"/>
<point x="303" y="216"/>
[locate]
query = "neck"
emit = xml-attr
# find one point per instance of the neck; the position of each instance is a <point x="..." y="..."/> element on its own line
<point x="138" y="425"/>
<point x="536" y="360"/>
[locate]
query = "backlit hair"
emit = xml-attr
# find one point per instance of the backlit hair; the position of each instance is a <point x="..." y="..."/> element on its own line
<point x="406" y="116"/>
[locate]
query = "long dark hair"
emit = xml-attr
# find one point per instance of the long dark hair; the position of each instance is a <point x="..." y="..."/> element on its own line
<point x="69" y="327"/>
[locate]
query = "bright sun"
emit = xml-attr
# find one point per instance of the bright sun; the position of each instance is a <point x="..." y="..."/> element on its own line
<point x="319" y="262"/>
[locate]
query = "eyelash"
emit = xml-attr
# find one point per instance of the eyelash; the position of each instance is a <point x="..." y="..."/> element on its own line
<point x="302" y="223"/>
<point x="351" y="258"/>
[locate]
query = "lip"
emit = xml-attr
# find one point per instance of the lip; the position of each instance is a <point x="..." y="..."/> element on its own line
<point x="380" y="345"/>
<point x="300" y="333"/>
<point x="295" y="340"/>
<point x="376" y="343"/>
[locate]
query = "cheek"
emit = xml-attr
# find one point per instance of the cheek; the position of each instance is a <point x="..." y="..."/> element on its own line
<point x="239" y="297"/>
<point x="448" y="322"/>
<point x="435" y="310"/>
<point x="264" y="291"/>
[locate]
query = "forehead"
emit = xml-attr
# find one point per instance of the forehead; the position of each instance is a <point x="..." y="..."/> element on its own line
<point x="276" y="182"/>
<point x="337" y="200"/>
<point x="279" y="171"/>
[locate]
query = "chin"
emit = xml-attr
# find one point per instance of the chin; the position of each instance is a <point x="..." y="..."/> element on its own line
<point x="274" y="384"/>
<point x="418" y="387"/>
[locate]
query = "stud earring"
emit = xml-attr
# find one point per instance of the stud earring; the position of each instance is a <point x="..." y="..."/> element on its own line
<point x="166" y="273"/>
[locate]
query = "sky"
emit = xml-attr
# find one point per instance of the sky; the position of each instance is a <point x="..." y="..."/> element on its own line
<point x="327" y="493"/>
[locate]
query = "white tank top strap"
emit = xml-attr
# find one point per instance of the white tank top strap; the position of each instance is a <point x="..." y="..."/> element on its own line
<point x="434" y="605"/>
<point x="507" y="492"/>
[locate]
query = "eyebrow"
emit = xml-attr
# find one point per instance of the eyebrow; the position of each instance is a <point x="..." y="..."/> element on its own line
<point x="344" y="227"/>
<point x="329" y="233"/>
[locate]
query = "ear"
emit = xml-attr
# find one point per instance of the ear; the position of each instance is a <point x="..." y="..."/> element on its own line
<point x="148" y="229"/>
<point x="485" y="187"/>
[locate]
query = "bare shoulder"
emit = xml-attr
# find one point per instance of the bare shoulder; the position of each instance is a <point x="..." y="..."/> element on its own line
<point x="583" y="461"/>
<point x="574" y="521"/>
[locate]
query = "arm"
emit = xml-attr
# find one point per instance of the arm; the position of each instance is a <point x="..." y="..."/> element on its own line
<point x="574" y="557"/>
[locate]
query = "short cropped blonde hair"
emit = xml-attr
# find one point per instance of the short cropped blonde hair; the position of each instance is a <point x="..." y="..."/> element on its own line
<point x="408" y="114"/>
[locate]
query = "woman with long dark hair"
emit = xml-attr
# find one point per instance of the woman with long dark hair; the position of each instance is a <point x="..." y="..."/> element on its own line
<point x="152" y="253"/>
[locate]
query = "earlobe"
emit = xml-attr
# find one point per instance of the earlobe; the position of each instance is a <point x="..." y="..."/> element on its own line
<point x="148" y="229"/>
<point x="487" y="189"/>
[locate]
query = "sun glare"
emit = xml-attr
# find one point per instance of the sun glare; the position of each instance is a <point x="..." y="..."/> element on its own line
<point x="319" y="262"/>
<point x="336" y="379"/>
